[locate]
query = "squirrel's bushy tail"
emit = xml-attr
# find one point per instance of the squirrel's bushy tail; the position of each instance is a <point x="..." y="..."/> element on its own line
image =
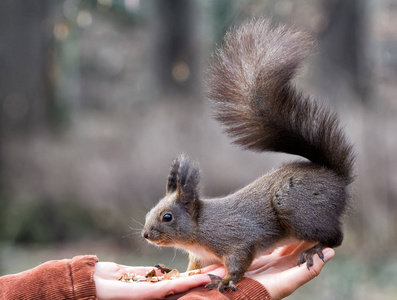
<point x="249" y="83"/>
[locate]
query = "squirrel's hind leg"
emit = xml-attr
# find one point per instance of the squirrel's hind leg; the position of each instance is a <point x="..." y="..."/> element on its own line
<point x="307" y="255"/>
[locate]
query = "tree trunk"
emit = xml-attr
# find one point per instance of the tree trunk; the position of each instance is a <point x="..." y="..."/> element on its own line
<point x="26" y="93"/>
<point x="175" y="46"/>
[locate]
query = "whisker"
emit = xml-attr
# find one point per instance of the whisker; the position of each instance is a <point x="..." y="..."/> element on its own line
<point x="127" y="235"/>
<point x="172" y="260"/>
<point x="174" y="248"/>
<point x="135" y="229"/>
<point x="137" y="221"/>
<point x="131" y="234"/>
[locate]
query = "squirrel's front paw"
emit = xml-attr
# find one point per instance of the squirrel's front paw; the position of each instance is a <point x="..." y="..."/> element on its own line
<point x="215" y="281"/>
<point x="221" y="284"/>
<point x="307" y="256"/>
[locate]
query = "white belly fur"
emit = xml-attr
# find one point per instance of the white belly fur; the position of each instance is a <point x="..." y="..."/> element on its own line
<point x="207" y="258"/>
<point x="202" y="255"/>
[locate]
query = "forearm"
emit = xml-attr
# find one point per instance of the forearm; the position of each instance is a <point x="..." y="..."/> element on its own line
<point x="57" y="279"/>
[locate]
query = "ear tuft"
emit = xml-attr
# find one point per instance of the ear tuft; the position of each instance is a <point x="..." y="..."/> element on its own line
<point x="188" y="176"/>
<point x="172" y="178"/>
<point x="184" y="178"/>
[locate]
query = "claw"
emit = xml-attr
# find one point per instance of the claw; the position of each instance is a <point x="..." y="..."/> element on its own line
<point x="320" y="254"/>
<point x="215" y="282"/>
<point x="302" y="259"/>
<point x="307" y="256"/>
<point x="222" y="285"/>
<point x="232" y="286"/>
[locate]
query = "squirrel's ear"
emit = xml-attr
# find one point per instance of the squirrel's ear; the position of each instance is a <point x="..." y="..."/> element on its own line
<point x="172" y="178"/>
<point x="184" y="179"/>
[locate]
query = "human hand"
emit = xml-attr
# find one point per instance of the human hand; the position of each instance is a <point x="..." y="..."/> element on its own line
<point x="108" y="286"/>
<point x="279" y="272"/>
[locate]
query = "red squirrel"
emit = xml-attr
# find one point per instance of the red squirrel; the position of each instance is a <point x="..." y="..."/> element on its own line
<point x="249" y="85"/>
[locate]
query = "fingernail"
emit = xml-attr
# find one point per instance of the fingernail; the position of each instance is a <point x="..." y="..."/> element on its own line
<point x="328" y="254"/>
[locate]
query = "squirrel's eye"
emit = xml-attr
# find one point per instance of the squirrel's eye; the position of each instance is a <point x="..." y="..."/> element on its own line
<point x="167" y="217"/>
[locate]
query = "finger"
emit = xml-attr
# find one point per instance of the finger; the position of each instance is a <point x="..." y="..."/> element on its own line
<point x="261" y="263"/>
<point x="110" y="289"/>
<point x="211" y="268"/>
<point x="165" y="288"/>
<point x="299" y="275"/>
<point x="302" y="247"/>
<point x="139" y="270"/>
<point x="183" y="284"/>
<point x="292" y="258"/>
<point x="286" y="250"/>
<point x="203" y="270"/>
<point x="295" y="276"/>
<point x="283" y="257"/>
<point x="221" y="271"/>
<point x="123" y="268"/>
<point x="120" y="270"/>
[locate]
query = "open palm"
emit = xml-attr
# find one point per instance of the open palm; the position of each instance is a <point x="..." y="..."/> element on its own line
<point x="279" y="271"/>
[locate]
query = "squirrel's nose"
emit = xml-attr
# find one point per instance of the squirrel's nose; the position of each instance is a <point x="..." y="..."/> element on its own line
<point x="145" y="234"/>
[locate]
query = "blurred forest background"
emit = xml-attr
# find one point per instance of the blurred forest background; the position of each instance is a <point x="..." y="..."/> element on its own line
<point x="98" y="96"/>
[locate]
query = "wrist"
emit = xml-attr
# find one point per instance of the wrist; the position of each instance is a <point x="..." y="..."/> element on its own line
<point x="253" y="289"/>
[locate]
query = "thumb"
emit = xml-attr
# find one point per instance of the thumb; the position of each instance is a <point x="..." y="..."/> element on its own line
<point x="328" y="254"/>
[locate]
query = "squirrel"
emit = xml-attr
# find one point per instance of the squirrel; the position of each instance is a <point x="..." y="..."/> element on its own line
<point x="249" y="86"/>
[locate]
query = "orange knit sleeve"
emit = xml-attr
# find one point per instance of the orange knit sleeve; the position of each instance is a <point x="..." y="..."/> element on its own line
<point x="246" y="289"/>
<point x="57" y="279"/>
